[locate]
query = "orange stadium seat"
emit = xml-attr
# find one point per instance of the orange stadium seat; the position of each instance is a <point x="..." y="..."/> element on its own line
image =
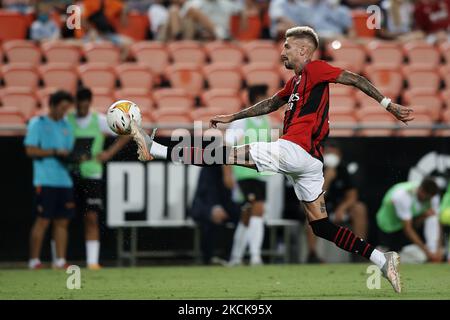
<point x="385" y="79"/>
<point x="419" y="120"/>
<point x="220" y="51"/>
<point x="22" y="51"/>
<point x="59" y="76"/>
<point x="223" y="76"/>
<point x="385" y="53"/>
<point x="136" y="27"/>
<point x="446" y="116"/>
<point x="422" y="54"/>
<point x="97" y="75"/>
<point x="22" y="98"/>
<point x="444" y="48"/>
<point x="20" y="75"/>
<point x="187" y="52"/>
<point x="423" y="80"/>
<point x="186" y="76"/>
<point x="205" y="114"/>
<point x="339" y="89"/>
<point x="342" y="104"/>
<point x="102" y="98"/>
<point x="227" y="99"/>
<point x="172" y="118"/>
<point x="138" y="95"/>
<point x="445" y="75"/>
<point x="13" y="25"/>
<point x="262" y="51"/>
<point x="133" y="75"/>
<point x="103" y="52"/>
<point x="347" y="54"/>
<point x="253" y="30"/>
<point x="424" y="104"/>
<point x="376" y="119"/>
<point x="153" y="54"/>
<point x="61" y="52"/>
<point x="173" y="98"/>
<point x="10" y="115"/>
<point x="347" y="121"/>
<point x="360" y="18"/>
<point x="261" y="73"/>
<point x="43" y="96"/>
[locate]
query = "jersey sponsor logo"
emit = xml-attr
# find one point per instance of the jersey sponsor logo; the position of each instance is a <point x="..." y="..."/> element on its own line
<point x="293" y="98"/>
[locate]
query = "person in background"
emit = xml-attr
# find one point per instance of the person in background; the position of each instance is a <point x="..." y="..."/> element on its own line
<point x="408" y="210"/>
<point x="331" y="20"/>
<point x="21" y="6"/>
<point x="44" y="28"/>
<point x="89" y="129"/>
<point x="433" y="18"/>
<point x="49" y="142"/>
<point x="444" y="218"/>
<point x="285" y="14"/>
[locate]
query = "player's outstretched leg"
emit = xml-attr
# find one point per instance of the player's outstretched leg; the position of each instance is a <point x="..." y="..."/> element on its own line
<point x="345" y="239"/>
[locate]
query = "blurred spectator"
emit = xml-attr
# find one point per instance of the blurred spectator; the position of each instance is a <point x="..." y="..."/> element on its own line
<point x="212" y="207"/>
<point x="398" y="21"/>
<point x="89" y="129"/>
<point x="100" y="18"/>
<point x="433" y="18"/>
<point x="44" y="28"/>
<point x="445" y="219"/>
<point x="342" y="201"/>
<point x="140" y="5"/>
<point x="359" y="3"/>
<point x="48" y="142"/>
<point x="158" y="15"/>
<point x="330" y="19"/>
<point x="407" y="215"/>
<point x="22" y="6"/>
<point x="285" y="14"/>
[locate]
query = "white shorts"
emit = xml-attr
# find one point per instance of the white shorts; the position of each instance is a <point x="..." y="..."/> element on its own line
<point x="282" y="156"/>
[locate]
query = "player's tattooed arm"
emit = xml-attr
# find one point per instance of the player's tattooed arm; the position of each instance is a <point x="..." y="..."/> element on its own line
<point x="402" y="113"/>
<point x="263" y="107"/>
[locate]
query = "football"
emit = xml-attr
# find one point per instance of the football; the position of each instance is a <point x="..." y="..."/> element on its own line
<point x="120" y="114"/>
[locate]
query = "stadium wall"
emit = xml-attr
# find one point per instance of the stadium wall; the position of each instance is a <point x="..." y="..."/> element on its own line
<point x="376" y="163"/>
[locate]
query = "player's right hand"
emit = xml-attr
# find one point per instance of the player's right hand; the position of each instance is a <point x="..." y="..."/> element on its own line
<point x="220" y="119"/>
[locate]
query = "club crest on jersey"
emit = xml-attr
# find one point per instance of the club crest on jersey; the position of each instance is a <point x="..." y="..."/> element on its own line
<point x="293" y="98"/>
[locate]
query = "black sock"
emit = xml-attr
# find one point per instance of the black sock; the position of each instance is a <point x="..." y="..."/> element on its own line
<point x="203" y="157"/>
<point x="344" y="238"/>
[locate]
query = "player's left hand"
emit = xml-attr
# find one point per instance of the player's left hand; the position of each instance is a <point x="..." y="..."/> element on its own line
<point x="402" y="113"/>
<point x="220" y="119"/>
<point x="103" y="156"/>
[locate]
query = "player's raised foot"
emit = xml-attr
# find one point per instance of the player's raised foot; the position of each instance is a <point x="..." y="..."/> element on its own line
<point x="391" y="271"/>
<point x="94" y="266"/>
<point x="143" y="141"/>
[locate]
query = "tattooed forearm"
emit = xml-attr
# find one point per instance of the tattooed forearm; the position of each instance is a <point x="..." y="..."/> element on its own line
<point x="262" y="107"/>
<point x="353" y="79"/>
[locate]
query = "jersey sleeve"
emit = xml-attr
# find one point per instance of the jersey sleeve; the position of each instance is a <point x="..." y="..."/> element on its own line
<point x="286" y="91"/>
<point x="321" y="71"/>
<point x="402" y="203"/>
<point x="32" y="137"/>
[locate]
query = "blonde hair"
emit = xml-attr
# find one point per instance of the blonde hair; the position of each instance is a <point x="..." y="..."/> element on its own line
<point x="304" y="32"/>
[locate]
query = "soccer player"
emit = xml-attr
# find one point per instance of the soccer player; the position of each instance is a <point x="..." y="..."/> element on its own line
<point x="298" y="153"/>
<point x="91" y="127"/>
<point x="49" y="142"/>
<point x="406" y="208"/>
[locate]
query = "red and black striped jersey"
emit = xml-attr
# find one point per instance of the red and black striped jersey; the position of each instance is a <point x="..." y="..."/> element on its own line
<point x="307" y="95"/>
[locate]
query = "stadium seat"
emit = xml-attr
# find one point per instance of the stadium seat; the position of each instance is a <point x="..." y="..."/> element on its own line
<point x="61" y="52"/>
<point x="360" y="25"/>
<point x="139" y="96"/>
<point x="102" y="98"/>
<point x="253" y="30"/>
<point x="444" y="49"/>
<point x="186" y="76"/>
<point x="340" y="90"/>
<point x="173" y="98"/>
<point x="22" y="98"/>
<point x="13" y="25"/>
<point x="59" y="76"/>
<point x="376" y="119"/>
<point x="223" y="76"/>
<point x="20" y="75"/>
<point x="22" y="51"/>
<point x="187" y="52"/>
<point x="385" y="78"/>
<point x="262" y="73"/>
<point x="262" y="51"/>
<point x="11" y="116"/>
<point x="136" y="27"/>
<point x="429" y="104"/>
<point x="97" y="75"/>
<point x="349" y="53"/>
<point x="385" y="53"/>
<point x="424" y="80"/>
<point x="224" y="52"/>
<point x="445" y="95"/>
<point x="43" y="97"/>
<point x="342" y="125"/>
<point x="227" y="99"/>
<point x="173" y="118"/>
<point x="342" y="105"/>
<point x="419" y="120"/>
<point x="103" y="52"/>
<point x="205" y="114"/>
<point x="153" y="54"/>
<point x="422" y="55"/>
<point x="445" y="74"/>
<point x="133" y="75"/>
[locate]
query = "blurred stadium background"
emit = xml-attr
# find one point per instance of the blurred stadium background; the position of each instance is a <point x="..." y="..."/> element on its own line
<point x="176" y="79"/>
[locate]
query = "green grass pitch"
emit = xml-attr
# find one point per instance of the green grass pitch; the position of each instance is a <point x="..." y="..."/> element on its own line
<point x="331" y="281"/>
